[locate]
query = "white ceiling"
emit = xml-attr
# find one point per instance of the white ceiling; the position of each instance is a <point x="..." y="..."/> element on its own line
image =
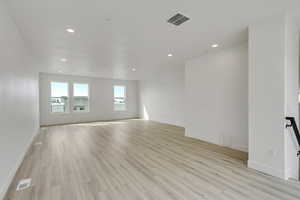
<point x="113" y="36"/>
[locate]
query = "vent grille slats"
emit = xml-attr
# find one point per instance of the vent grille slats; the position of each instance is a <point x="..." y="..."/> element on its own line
<point x="178" y="19"/>
<point x="24" y="184"/>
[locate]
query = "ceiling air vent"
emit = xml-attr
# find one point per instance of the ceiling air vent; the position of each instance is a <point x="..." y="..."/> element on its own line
<point x="178" y="19"/>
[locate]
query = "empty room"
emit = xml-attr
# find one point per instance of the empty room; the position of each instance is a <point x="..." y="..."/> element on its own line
<point x="149" y="100"/>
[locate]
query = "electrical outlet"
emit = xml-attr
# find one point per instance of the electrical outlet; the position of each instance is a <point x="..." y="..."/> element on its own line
<point x="272" y="153"/>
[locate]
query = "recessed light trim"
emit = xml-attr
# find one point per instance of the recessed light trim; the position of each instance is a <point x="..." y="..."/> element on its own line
<point x="170" y="55"/>
<point x="133" y="69"/>
<point x="214" y="45"/>
<point x="63" y="60"/>
<point x="70" y="30"/>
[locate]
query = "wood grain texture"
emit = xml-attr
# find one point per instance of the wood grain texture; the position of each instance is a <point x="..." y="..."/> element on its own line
<point x="136" y="159"/>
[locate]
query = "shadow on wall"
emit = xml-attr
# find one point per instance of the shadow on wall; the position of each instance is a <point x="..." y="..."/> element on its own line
<point x="145" y="113"/>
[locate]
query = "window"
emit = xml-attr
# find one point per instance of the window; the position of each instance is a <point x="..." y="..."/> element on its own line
<point x="119" y="98"/>
<point x="59" y="100"/>
<point x="80" y="97"/>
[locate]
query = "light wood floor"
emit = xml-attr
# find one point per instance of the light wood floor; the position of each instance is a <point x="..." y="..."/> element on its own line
<point x="136" y="159"/>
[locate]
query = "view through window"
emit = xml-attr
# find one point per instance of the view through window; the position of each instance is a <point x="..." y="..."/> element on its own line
<point x="80" y="97"/>
<point x="119" y="98"/>
<point x="59" y="100"/>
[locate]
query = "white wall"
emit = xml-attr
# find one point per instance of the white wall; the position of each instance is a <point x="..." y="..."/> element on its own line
<point x="18" y="99"/>
<point x="291" y="94"/>
<point x="273" y="88"/>
<point x="101" y="100"/>
<point x="162" y="96"/>
<point x="216" y="97"/>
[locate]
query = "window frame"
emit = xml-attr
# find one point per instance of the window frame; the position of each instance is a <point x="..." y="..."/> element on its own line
<point x="72" y="106"/>
<point x="125" y="98"/>
<point x="50" y="96"/>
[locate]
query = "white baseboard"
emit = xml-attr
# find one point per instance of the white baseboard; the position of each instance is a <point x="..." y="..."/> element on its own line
<point x="14" y="170"/>
<point x="292" y="173"/>
<point x="267" y="169"/>
<point x="200" y="137"/>
<point x="220" y="143"/>
<point x="239" y="147"/>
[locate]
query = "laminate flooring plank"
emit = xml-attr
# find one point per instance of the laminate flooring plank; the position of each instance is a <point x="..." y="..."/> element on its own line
<point x="139" y="160"/>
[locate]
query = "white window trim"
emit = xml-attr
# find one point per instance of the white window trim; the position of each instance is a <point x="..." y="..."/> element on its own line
<point x="72" y="103"/>
<point x="50" y="96"/>
<point x="124" y="101"/>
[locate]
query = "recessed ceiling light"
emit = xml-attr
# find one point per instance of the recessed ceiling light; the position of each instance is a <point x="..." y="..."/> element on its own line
<point x="63" y="60"/>
<point x="214" y="45"/>
<point x="60" y="71"/>
<point x="170" y="55"/>
<point x="70" y="30"/>
<point x="133" y="69"/>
